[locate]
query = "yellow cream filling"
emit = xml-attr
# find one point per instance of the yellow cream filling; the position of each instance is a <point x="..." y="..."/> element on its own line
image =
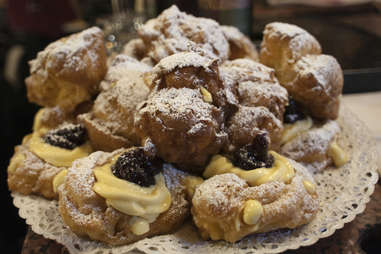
<point x="57" y="156"/>
<point x="282" y="170"/>
<point x="252" y="212"/>
<point x="37" y="120"/>
<point x="206" y="95"/>
<point x="144" y="203"/>
<point x="309" y="186"/>
<point x="290" y="131"/>
<point x="338" y="155"/>
<point x="59" y="179"/>
<point x="191" y="183"/>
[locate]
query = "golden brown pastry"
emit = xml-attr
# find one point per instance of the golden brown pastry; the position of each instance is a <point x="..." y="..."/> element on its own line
<point x="254" y="84"/>
<point x="68" y="71"/>
<point x="240" y="45"/>
<point x="110" y="123"/>
<point x="174" y="31"/>
<point x="315" y="145"/>
<point x="312" y="79"/>
<point x="248" y="122"/>
<point x="191" y="70"/>
<point x="283" y="45"/>
<point x="185" y="128"/>
<point x="123" y="66"/>
<point x="122" y="197"/>
<point x="236" y="202"/>
<point x="316" y="82"/>
<point x="44" y="154"/>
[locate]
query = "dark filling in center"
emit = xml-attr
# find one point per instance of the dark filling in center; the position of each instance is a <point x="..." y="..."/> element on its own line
<point x="135" y="166"/>
<point x="293" y="112"/>
<point x="254" y="155"/>
<point x="68" y="136"/>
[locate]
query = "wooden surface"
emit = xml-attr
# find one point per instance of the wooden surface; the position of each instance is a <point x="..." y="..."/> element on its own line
<point x="356" y="236"/>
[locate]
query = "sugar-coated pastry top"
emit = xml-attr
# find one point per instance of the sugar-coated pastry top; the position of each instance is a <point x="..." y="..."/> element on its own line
<point x="68" y="71"/>
<point x="111" y="119"/>
<point x="312" y="79"/>
<point x="69" y="54"/>
<point x="184" y="128"/>
<point x="124" y="66"/>
<point x="248" y="122"/>
<point x="174" y="31"/>
<point x="284" y="44"/>
<point x="254" y="84"/>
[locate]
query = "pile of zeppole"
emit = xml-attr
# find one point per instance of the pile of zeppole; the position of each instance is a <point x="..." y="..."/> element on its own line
<point x="189" y="121"/>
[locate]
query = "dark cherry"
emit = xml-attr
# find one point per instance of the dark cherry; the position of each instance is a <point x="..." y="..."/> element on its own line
<point x="254" y="155"/>
<point x="293" y="112"/>
<point x="68" y="136"/>
<point x="135" y="166"/>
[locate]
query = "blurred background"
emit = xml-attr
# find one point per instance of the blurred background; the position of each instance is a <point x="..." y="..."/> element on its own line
<point x="350" y="30"/>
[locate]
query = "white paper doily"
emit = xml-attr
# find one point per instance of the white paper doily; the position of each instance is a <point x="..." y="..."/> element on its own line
<point x="343" y="194"/>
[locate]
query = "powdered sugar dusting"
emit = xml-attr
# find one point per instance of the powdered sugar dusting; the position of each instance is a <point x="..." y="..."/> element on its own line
<point x="174" y="31"/>
<point x="124" y="67"/>
<point x="216" y="193"/>
<point x="298" y="37"/>
<point x="70" y="50"/>
<point x="323" y="68"/>
<point x="181" y="60"/>
<point x="179" y="104"/>
<point x="315" y="141"/>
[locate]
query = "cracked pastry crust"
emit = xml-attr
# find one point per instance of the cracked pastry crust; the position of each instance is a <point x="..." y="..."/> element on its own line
<point x="226" y="208"/>
<point x="191" y="70"/>
<point x="313" y="79"/>
<point x="28" y="172"/>
<point x="110" y="123"/>
<point x="68" y="71"/>
<point x="87" y="213"/>
<point x="313" y="146"/>
<point x="184" y="128"/>
<point x="254" y="84"/>
<point x="248" y="122"/>
<point x="174" y="31"/>
<point x="317" y="82"/>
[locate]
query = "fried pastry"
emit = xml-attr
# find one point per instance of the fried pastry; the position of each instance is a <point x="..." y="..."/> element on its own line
<point x="313" y="79"/>
<point x="123" y="66"/>
<point x="316" y="83"/>
<point x="110" y="123"/>
<point x="252" y="191"/>
<point x="185" y="129"/>
<point x="67" y="72"/>
<point x="44" y="154"/>
<point x="283" y="45"/>
<point x="174" y="31"/>
<point x="189" y="70"/>
<point x="315" y="145"/>
<point x="240" y="45"/>
<point x="248" y="122"/>
<point x="122" y="197"/>
<point x="226" y="207"/>
<point x="254" y="84"/>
